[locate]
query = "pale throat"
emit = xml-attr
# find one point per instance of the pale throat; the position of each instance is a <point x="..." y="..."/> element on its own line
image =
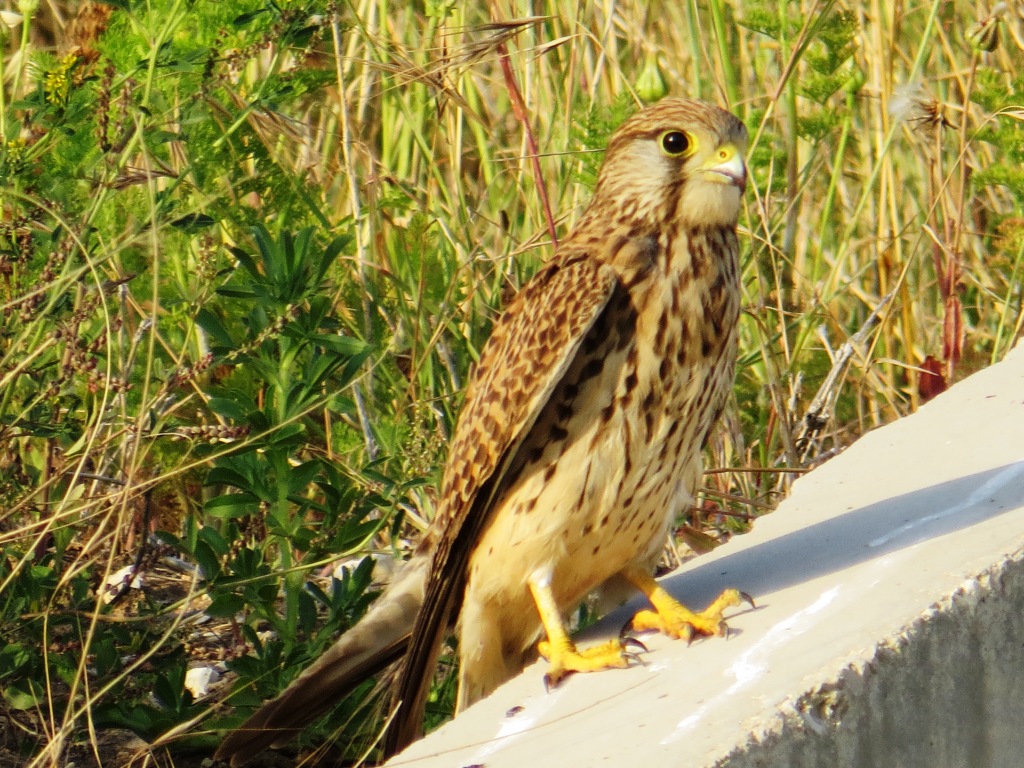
<point x="708" y="204"/>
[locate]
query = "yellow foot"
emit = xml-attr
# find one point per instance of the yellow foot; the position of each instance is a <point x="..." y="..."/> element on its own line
<point x="565" y="659"/>
<point x="674" y="619"/>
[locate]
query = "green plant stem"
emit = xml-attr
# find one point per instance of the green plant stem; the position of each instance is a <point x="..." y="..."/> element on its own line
<point x="693" y="38"/>
<point x="833" y="184"/>
<point x="725" y="55"/>
<point x="3" y="98"/>
<point x="26" y="22"/>
<point x="1016" y="276"/>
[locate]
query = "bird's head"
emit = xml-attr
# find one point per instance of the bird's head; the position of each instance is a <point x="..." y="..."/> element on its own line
<point x="679" y="159"/>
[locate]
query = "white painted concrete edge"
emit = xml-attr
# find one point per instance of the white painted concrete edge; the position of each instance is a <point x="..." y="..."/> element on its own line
<point x="889" y="632"/>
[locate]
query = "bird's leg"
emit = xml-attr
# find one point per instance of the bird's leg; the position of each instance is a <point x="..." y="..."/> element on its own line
<point x="674" y="619"/>
<point x="560" y="651"/>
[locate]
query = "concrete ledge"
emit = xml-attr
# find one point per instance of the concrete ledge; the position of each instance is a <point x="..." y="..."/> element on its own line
<point x="890" y="628"/>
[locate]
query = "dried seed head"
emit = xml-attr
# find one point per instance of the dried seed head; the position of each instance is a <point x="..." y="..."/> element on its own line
<point x="911" y="103"/>
<point x="984" y="36"/>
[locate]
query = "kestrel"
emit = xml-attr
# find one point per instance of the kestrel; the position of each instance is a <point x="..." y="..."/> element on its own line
<point x="579" y="442"/>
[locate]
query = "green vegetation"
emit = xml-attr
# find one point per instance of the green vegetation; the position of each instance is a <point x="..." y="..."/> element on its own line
<point x="249" y="251"/>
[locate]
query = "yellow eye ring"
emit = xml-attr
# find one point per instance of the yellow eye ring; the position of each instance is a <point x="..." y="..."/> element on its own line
<point x="676" y="143"/>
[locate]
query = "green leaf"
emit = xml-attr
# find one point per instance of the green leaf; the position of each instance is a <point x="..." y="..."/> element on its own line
<point x="245" y="19"/>
<point x="225" y="606"/>
<point x="246" y="261"/>
<point x="214" y="327"/>
<point x="217" y="543"/>
<point x="229" y="409"/>
<point x="24" y="695"/>
<point x="207" y="560"/>
<point x="231" y="505"/>
<point x="12" y="657"/>
<point x="222" y="475"/>
<point x="193" y="222"/>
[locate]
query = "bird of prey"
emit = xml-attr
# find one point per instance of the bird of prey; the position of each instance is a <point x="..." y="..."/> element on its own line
<point x="579" y="442"/>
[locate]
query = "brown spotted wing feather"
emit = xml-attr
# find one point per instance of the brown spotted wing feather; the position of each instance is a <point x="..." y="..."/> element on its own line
<point x="530" y="349"/>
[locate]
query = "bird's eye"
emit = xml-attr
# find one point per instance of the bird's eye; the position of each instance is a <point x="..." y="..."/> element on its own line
<point x="675" y="142"/>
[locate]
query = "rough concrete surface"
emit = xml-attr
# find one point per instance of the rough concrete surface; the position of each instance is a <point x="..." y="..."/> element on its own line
<point x="889" y="628"/>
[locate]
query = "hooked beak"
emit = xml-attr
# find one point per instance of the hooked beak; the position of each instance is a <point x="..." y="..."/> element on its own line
<point x="727" y="167"/>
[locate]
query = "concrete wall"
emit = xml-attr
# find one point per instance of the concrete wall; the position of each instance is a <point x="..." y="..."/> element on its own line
<point x="947" y="691"/>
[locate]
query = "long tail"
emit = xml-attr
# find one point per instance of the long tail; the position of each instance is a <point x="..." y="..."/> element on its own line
<point x="379" y="639"/>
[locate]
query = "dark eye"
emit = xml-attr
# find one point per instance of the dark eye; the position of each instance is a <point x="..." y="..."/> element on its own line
<point x="675" y="142"/>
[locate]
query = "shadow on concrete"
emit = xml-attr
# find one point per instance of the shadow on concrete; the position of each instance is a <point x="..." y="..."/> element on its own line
<point x="852" y="537"/>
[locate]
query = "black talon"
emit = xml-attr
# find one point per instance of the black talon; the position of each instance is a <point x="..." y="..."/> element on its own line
<point x="626" y="628"/>
<point x="629" y="656"/>
<point x="549" y="684"/>
<point x="748" y="599"/>
<point x="632" y="642"/>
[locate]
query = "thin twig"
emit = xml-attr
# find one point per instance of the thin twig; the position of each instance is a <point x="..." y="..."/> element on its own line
<point x="519" y="110"/>
<point x="820" y="409"/>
